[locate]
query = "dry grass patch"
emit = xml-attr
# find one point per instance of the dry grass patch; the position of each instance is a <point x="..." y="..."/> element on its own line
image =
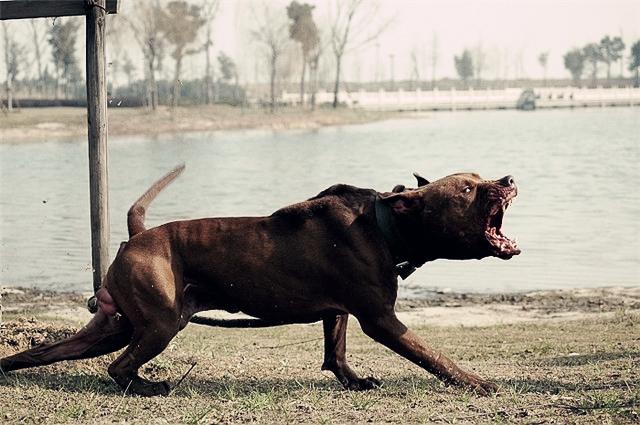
<point x="569" y="372"/>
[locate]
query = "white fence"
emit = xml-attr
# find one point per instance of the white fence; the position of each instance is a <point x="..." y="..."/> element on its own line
<point x="476" y="99"/>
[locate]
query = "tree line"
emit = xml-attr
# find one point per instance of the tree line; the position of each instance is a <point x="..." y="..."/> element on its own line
<point x="289" y="38"/>
<point x="178" y="29"/>
<point x="607" y="52"/>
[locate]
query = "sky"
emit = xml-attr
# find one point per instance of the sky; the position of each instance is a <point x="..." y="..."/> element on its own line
<point x="510" y="33"/>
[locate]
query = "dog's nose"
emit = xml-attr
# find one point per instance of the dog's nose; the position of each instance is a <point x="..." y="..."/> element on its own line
<point x="507" y="181"/>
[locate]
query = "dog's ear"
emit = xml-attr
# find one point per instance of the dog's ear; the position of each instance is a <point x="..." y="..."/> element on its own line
<point x="404" y="203"/>
<point x="421" y="180"/>
<point x="398" y="188"/>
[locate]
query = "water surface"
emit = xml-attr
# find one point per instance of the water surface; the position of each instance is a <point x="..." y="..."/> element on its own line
<point x="576" y="217"/>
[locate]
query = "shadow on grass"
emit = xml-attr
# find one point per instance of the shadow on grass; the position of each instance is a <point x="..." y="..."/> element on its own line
<point x="225" y="387"/>
<point x="582" y="359"/>
<point x="554" y="386"/>
<point x="73" y="382"/>
<point x="252" y="385"/>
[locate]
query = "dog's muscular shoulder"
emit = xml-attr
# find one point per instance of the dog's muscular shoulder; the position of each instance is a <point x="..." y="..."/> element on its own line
<point x="340" y="200"/>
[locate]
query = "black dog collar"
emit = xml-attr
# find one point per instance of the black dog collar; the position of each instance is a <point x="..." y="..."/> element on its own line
<point x="387" y="225"/>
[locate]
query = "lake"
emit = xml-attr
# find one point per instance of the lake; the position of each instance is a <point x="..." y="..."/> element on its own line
<point x="576" y="218"/>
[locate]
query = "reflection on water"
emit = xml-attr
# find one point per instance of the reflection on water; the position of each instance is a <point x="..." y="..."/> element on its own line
<point x="576" y="217"/>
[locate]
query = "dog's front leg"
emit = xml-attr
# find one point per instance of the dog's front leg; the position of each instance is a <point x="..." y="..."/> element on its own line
<point x="388" y="330"/>
<point x="335" y="343"/>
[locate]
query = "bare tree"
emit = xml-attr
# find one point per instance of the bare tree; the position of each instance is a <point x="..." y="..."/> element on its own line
<point x="543" y="59"/>
<point x="38" y="38"/>
<point x="180" y="23"/>
<point x="115" y="32"/>
<point x="128" y="68"/>
<point x="479" y="60"/>
<point x="434" y="59"/>
<point x="209" y="10"/>
<point x="271" y="32"/>
<point x="518" y="64"/>
<point x="314" y="63"/>
<point x="415" y="68"/>
<point x="146" y="30"/>
<point x="353" y="25"/>
<point x="12" y="58"/>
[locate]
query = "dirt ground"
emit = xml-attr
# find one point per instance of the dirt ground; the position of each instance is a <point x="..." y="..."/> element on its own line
<point x="574" y="358"/>
<point x="45" y="124"/>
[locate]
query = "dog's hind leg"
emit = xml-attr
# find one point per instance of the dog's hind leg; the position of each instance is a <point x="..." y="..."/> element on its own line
<point x="335" y="342"/>
<point x="386" y="329"/>
<point x="154" y="313"/>
<point x="147" y="343"/>
<point x="102" y="335"/>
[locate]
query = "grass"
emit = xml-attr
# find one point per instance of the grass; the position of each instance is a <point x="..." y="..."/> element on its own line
<point x="570" y="372"/>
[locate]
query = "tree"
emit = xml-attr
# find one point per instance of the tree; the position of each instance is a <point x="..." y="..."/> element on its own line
<point x="180" y="23"/>
<point x="574" y="62"/>
<point x="115" y="31"/>
<point x="227" y="67"/>
<point x="229" y="72"/>
<point x="611" y="51"/>
<point x="314" y="64"/>
<point x="434" y="59"/>
<point x="634" y="61"/>
<point x="593" y="54"/>
<point x="464" y="66"/>
<point x="478" y="61"/>
<point x="13" y="57"/>
<point x="129" y="69"/>
<point x="146" y="29"/>
<point x="543" y="60"/>
<point x="271" y="32"/>
<point x="62" y="38"/>
<point x="37" y="36"/>
<point x="209" y="11"/>
<point x="353" y="26"/>
<point x="414" y="77"/>
<point x="303" y="30"/>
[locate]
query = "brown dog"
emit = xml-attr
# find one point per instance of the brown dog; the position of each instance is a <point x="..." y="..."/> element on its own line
<point x="333" y="255"/>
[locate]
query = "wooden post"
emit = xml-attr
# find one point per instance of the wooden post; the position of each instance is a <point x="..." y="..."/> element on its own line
<point x="97" y="121"/>
<point x="26" y="9"/>
<point x="96" y="13"/>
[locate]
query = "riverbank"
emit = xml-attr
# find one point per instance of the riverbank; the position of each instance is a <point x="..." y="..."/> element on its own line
<point x="558" y="356"/>
<point x="44" y="124"/>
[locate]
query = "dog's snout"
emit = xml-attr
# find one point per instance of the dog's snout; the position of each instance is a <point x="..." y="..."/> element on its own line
<point x="507" y="181"/>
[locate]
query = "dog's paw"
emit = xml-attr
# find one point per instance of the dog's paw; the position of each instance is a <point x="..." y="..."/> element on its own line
<point x="485" y="388"/>
<point x="363" y="384"/>
<point x="145" y="388"/>
<point x="481" y="386"/>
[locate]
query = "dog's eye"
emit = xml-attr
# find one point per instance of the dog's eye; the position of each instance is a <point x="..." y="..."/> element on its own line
<point x="466" y="189"/>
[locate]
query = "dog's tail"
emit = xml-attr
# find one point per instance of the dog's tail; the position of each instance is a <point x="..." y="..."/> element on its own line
<point x="136" y="214"/>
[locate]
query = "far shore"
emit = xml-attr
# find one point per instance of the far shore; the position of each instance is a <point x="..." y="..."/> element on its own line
<point x="59" y="123"/>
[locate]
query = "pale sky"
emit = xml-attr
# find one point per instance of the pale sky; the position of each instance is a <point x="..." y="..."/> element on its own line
<point x="511" y="33"/>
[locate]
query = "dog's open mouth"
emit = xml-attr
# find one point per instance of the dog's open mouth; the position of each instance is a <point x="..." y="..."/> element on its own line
<point x="501" y="245"/>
